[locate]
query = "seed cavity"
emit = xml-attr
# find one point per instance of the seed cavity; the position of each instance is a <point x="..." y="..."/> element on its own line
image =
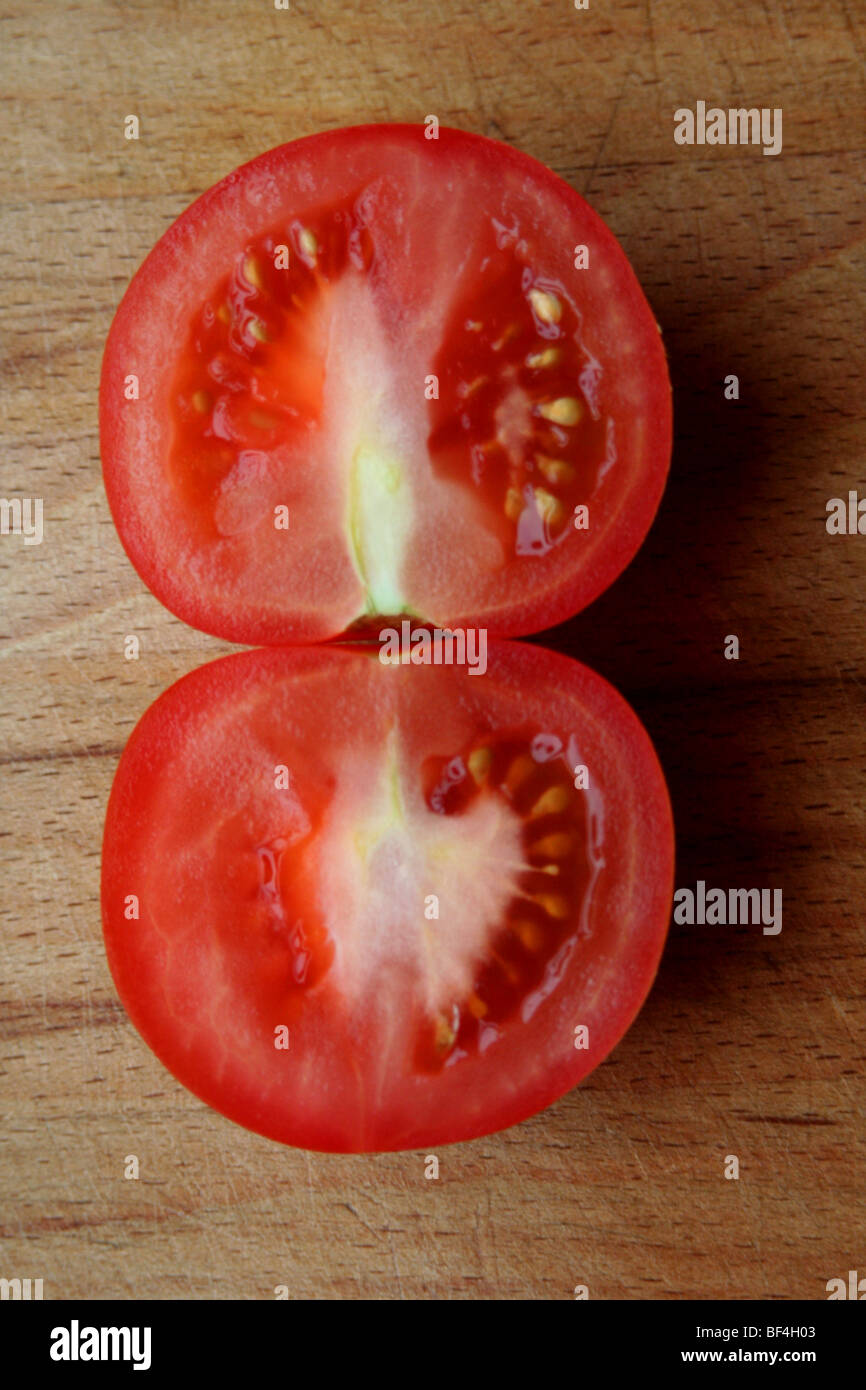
<point x="540" y="400"/>
<point x="542" y="911"/>
<point x="271" y="393"/>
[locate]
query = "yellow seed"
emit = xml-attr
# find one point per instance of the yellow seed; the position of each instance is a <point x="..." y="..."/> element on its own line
<point x="555" y="846"/>
<point x="556" y="471"/>
<point x="253" y="272"/>
<point x="545" y="305"/>
<point x="505" y="337"/>
<point x="476" y="1006"/>
<point x="443" y="1034"/>
<point x="202" y="401"/>
<point x="551" y="802"/>
<point x="308" y="243"/>
<point x="474" y="325"/>
<point x="513" y="504"/>
<point x="262" y="420"/>
<point x="223" y="314"/>
<point x="490" y="446"/>
<point x="553" y="904"/>
<point x="473" y="386"/>
<point x="549" y="507"/>
<point x="519" y="772"/>
<point x="478" y="762"/>
<point x="530" y="934"/>
<point x="565" y="410"/>
<point x="258" y="330"/>
<point x="548" y="358"/>
<point x="546" y="869"/>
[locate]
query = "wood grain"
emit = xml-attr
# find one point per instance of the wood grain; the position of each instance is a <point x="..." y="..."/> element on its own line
<point x="749" y="1045"/>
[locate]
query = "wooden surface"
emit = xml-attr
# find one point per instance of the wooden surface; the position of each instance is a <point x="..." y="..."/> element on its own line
<point x="749" y="1045"/>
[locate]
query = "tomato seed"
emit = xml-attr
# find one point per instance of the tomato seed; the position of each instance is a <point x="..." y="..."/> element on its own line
<point x="565" y="410"/>
<point x="545" y="305"/>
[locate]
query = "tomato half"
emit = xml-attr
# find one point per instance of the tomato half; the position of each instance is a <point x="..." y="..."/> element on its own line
<point x="371" y="373"/>
<point x="358" y="906"/>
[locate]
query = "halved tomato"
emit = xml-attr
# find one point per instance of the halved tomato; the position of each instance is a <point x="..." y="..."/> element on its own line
<point x="358" y="906"/>
<point x="372" y="373"/>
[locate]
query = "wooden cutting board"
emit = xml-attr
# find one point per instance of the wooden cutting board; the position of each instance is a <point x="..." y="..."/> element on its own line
<point x="750" y="1045"/>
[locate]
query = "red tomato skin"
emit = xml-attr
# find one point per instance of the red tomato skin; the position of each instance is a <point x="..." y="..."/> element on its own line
<point x="535" y="1062"/>
<point x="177" y="274"/>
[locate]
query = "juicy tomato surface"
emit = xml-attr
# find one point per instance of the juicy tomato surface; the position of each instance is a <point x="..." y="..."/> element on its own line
<point x="358" y="906"/>
<point x="370" y="374"/>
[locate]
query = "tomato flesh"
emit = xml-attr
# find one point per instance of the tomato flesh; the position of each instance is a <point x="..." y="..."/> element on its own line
<point x="393" y="869"/>
<point x="375" y="378"/>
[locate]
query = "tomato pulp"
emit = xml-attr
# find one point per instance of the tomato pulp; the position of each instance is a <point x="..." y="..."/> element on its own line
<point x="372" y="374"/>
<point x="362" y="906"/>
